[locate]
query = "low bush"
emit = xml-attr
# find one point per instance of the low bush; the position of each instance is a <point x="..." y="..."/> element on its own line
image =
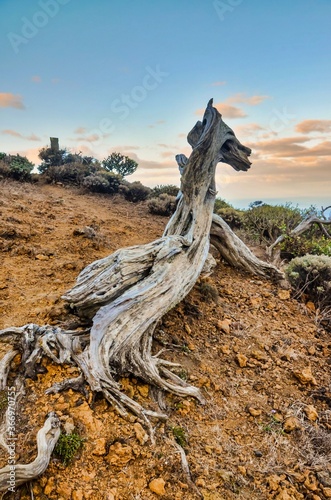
<point x="70" y="173"/>
<point x="232" y="216"/>
<point x="169" y="189"/>
<point x="16" y="167"/>
<point x="311" y="275"/>
<point x="134" y="191"/>
<point x="102" y="182"/>
<point x="164" y="204"/>
<point x="297" y="246"/>
<point x="265" y="222"/>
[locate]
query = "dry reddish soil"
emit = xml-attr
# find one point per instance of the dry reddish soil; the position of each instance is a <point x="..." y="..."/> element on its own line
<point x="259" y="357"/>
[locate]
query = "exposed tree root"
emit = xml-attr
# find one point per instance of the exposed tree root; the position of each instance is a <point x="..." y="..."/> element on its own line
<point x="47" y="438"/>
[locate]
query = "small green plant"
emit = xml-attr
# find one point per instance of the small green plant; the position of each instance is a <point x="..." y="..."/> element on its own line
<point x="67" y="447"/>
<point x="272" y="426"/>
<point x="180" y="436"/>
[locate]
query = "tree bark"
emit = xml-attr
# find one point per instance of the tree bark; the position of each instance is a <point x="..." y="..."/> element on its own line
<point x="126" y="294"/>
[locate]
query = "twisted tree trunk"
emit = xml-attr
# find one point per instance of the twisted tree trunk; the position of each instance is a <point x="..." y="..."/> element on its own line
<point x="126" y="294"/>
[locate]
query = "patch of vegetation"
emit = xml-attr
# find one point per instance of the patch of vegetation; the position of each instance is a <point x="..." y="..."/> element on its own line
<point x="180" y="436"/>
<point x="311" y="275"/>
<point x="164" y="204"/>
<point x="15" y="166"/>
<point x="122" y="165"/>
<point x="208" y="292"/>
<point x="102" y="182"/>
<point x="272" y="426"/>
<point x="265" y="223"/>
<point x="134" y="191"/>
<point x="67" y="447"/>
<point x="169" y="189"/>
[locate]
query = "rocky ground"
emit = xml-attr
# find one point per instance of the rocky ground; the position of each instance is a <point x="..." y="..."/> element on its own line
<point x="259" y="357"/>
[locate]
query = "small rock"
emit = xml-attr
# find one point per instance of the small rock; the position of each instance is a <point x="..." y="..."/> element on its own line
<point x="187" y="328"/>
<point x="143" y="390"/>
<point x="311" y="306"/>
<point x="224" y="325"/>
<point x="258" y="453"/>
<point x="141" y="435"/>
<point x="291" y="424"/>
<point x="254" y="411"/>
<point x="310" y="484"/>
<point x="311" y="413"/>
<point x="225" y="475"/>
<point x="283" y="495"/>
<point x="157" y="486"/>
<point x="42" y="257"/>
<point x="49" y="486"/>
<point x="327" y="492"/>
<point x="312" y="350"/>
<point x="69" y="426"/>
<point x="119" y="454"/>
<point x="305" y="376"/>
<point x="273" y="482"/>
<point x="209" y="449"/>
<point x="64" y="490"/>
<point x="241" y="360"/>
<point x="77" y="495"/>
<point x="284" y="294"/>
<point x="200" y="482"/>
<point x="225" y="349"/>
<point x="99" y="447"/>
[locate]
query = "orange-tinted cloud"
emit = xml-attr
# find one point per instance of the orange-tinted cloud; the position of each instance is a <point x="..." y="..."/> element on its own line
<point x="9" y="100"/>
<point x="226" y="110"/>
<point x="80" y="130"/>
<point x="308" y="126"/>
<point x="291" y="147"/>
<point x="36" y="79"/>
<point x="159" y="122"/>
<point x="217" y="84"/>
<point x="14" y="133"/>
<point x="253" y="100"/>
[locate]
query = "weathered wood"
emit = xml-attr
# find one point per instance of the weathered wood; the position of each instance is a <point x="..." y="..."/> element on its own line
<point x="126" y="294"/>
<point x="47" y="438"/>
<point x="237" y="254"/>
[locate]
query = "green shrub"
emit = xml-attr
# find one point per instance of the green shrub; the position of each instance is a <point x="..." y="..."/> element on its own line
<point x="15" y="166"/>
<point x="122" y="165"/>
<point x="232" y="216"/>
<point x="311" y="275"/>
<point x="220" y="204"/>
<point x="103" y="182"/>
<point x="169" y="189"/>
<point x="265" y="222"/>
<point x="134" y="191"/>
<point x="67" y="447"/>
<point x="164" y="204"/>
<point x="70" y="173"/>
<point x="180" y="436"/>
<point x="307" y="243"/>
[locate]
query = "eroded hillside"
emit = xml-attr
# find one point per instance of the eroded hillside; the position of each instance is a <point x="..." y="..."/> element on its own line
<point x="258" y="356"/>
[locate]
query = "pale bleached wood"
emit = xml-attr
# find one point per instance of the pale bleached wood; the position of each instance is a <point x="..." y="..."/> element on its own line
<point x="47" y="438"/>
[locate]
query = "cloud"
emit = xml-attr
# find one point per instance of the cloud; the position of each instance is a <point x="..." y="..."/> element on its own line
<point x="291" y="147"/>
<point x="253" y="100"/>
<point x="36" y="79"/>
<point x="308" y="126"/>
<point x="248" y="129"/>
<point x="217" y="84"/>
<point x="80" y="130"/>
<point x="14" y="133"/>
<point x="226" y="110"/>
<point x="155" y="124"/>
<point x="9" y="100"/>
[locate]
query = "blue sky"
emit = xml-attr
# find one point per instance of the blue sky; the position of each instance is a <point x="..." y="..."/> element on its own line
<point x="135" y="76"/>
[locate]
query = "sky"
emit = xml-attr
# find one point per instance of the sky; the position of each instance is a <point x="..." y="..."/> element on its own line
<point x="135" y="76"/>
